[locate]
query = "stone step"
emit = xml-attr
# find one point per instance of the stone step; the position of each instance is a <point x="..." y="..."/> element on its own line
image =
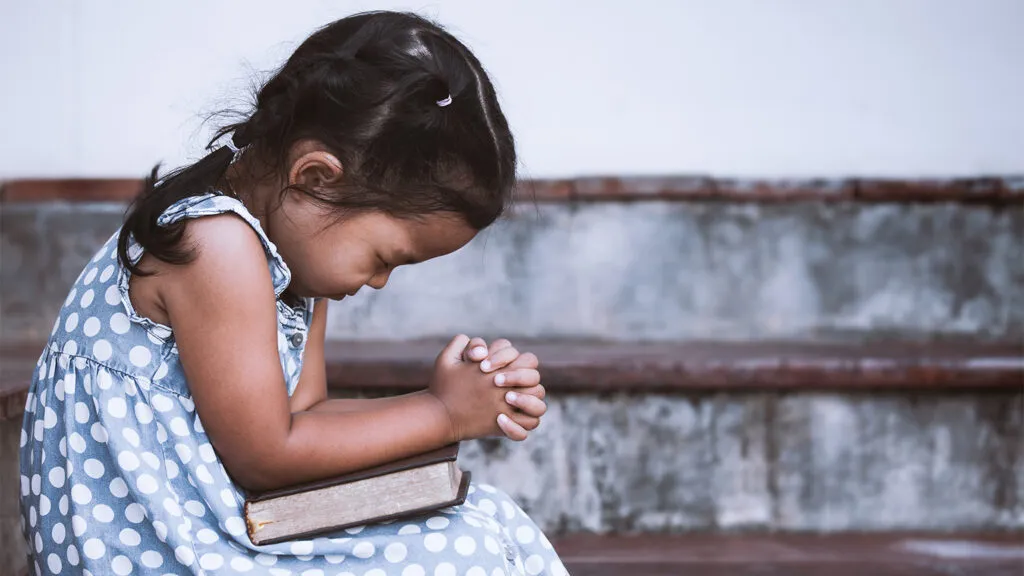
<point x="794" y="555"/>
<point x="629" y="271"/>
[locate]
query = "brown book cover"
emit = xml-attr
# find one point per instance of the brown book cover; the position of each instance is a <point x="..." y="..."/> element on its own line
<point x="304" y="526"/>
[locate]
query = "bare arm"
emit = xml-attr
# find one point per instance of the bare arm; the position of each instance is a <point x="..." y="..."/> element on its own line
<point x="221" y="307"/>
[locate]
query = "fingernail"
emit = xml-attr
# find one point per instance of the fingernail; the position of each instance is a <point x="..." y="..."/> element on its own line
<point x="511" y="396"/>
<point x="485" y="365"/>
<point x="499" y="379"/>
<point x="479" y="351"/>
<point x="503" y="419"/>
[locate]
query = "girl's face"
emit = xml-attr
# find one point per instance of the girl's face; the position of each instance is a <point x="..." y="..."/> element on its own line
<point x="332" y="258"/>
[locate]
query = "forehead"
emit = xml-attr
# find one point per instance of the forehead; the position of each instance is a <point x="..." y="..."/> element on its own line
<point x="423" y="237"/>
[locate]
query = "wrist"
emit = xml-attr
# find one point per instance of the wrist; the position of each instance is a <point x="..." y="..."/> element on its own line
<point x="443" y="415"/>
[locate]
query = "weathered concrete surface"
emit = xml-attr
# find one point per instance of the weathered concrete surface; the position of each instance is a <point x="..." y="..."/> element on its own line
<point x="650" y="271"/>
<point x="803" y="462"/>
<point x="12" y="543"/>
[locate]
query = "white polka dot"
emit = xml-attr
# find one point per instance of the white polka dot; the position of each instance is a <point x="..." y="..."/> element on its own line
<point x="99" y="432"/>
<point x="103" y="513"/>
<point x="131" y="436"/>
<point x="363" y="549"/>
<point x="54" y="563"/>
<point x="152" y="559"/>
<point x="71" y="296"/>
<point x="409" y="529"/>
<point x="63" y="504"/>
<point x="525" y="534"/>
<point x="161" y="433"/>
<point x="73" y="558"/>
<point x="151" y="460"/>
<point x="184" y="555"/>
<point x="90" y="276"/>
<point x="509" y="509"/>
<point x="206" y="452"/>
<point x="266" y="559"/>
<point x="334" y="558"/>
<point x="472" y="521"/>
<point x="44" y="505"/>
<point x="119" y="323"/>
<point x="228" y="498"/>
<point x="117" y="408"/>
<point x="118" y="488"/>
<point x="94" y="548"/>
<point x="211" y="561"/>
<point x="161" y="530"/>
<point x="465" y="545"/>
<point x="196" y="508"/>
<point x="206" y="535"/>
<point x="107" y="272"/>
<point x="81" y="494"/>
<point x="77" y="443"/>
<point x="435" y="542"/>
<point x="487" y="506"/>
<point x="143" y="413"/>
<point x="56" y="477"/>
<point x="498" y="572"/>
<point x="49" y="418"/>
<point x="179" y="426"/>
<point x="128" y="461"/>
<point x="37" y="482"/>
<point x="375" y="572"/>
<point x="130" y="537"/>
<point x="113" y="295"/>
<point x="445" y="569"/>
<point x="187" y="403"/>
<point x="122" y="565"/>
<point x="161" y="371"/>
<point x="476" y="571"/>
<point x="103" y="380"/>
<point x="93" y="467"/>
<point x="87" y="297"/>
<point x="140" y="356"/>
<point x="39" y="542"/>
<point x="58" y="533"/>
<point x="172" y="469"/>
<point x="355" y="529"/>
<point x="147" y="484"/>
<point x="162" y="403"/>
<point x="81" y="413"/>
<point x="172" y="507"/>
<point x="239" y="564"/>
<point x="71" y="322"/>
<point x="198" y="425"/>
<point x="395" y="552"/>
<point x="491" y="544"/>
<point x="78" y="525"/>
<point x="437" y="523"/>
<point x="102" y="350"/>
<point x="135" y="513"/>
<point x="534" y="565"/>
<point x="413" y="570"/>
<point x="203" y="474"/>
<point x="235" y="526"/>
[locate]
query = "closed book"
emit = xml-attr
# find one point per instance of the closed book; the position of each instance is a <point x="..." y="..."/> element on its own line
<point x="405" y="487"/>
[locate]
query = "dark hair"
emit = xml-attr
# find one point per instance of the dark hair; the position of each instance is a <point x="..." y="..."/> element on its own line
<point x="374" y="89"/>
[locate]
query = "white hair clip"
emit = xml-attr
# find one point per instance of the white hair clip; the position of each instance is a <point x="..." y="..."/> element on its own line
<point x="447" y="100"/>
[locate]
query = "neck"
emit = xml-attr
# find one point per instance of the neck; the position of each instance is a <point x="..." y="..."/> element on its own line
<point x="258" y="194"/>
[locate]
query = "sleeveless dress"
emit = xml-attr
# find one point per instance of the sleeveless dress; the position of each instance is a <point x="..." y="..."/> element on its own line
<point x="118" y="476"/>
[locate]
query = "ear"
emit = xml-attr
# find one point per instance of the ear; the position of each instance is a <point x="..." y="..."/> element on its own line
<point x="314" y="168"/>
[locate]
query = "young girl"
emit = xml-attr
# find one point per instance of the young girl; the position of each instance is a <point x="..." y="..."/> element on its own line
<point x="187" y="362"/>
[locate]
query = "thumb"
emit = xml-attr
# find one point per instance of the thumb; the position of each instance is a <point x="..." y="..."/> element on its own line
<point x="453" y="352"/>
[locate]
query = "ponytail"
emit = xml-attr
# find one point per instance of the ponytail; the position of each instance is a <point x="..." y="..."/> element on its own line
<point x="159" y="194"/>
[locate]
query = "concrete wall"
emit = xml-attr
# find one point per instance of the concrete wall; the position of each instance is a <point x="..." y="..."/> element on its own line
<point x="731" y="87"/>
<point x="651" y="271"/>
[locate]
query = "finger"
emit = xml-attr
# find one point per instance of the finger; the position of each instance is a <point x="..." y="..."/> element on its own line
<point x="476" y="350"/>
<point x="537" y="391"/>
<point x="511" y="429"/>
<point x="521" y="377"/>
<point x="530" y="405"/>
<point x="525" y="360"/>
<point x="525" y="421"/>
<point x="498" y="345"/>
<point x="499" y="359"/>
<point x="452" y="353"/>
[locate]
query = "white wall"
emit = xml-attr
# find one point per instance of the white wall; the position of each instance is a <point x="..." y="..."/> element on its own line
<point x="724" y="87"/>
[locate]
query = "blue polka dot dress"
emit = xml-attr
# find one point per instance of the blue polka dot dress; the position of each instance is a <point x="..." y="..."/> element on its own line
<point x="118" y="476"/>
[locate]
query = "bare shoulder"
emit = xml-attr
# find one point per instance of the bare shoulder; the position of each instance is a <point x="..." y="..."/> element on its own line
<point x="228" y="262"/>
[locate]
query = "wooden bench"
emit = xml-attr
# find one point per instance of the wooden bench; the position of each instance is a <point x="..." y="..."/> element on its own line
<point x="653" y="367"/>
